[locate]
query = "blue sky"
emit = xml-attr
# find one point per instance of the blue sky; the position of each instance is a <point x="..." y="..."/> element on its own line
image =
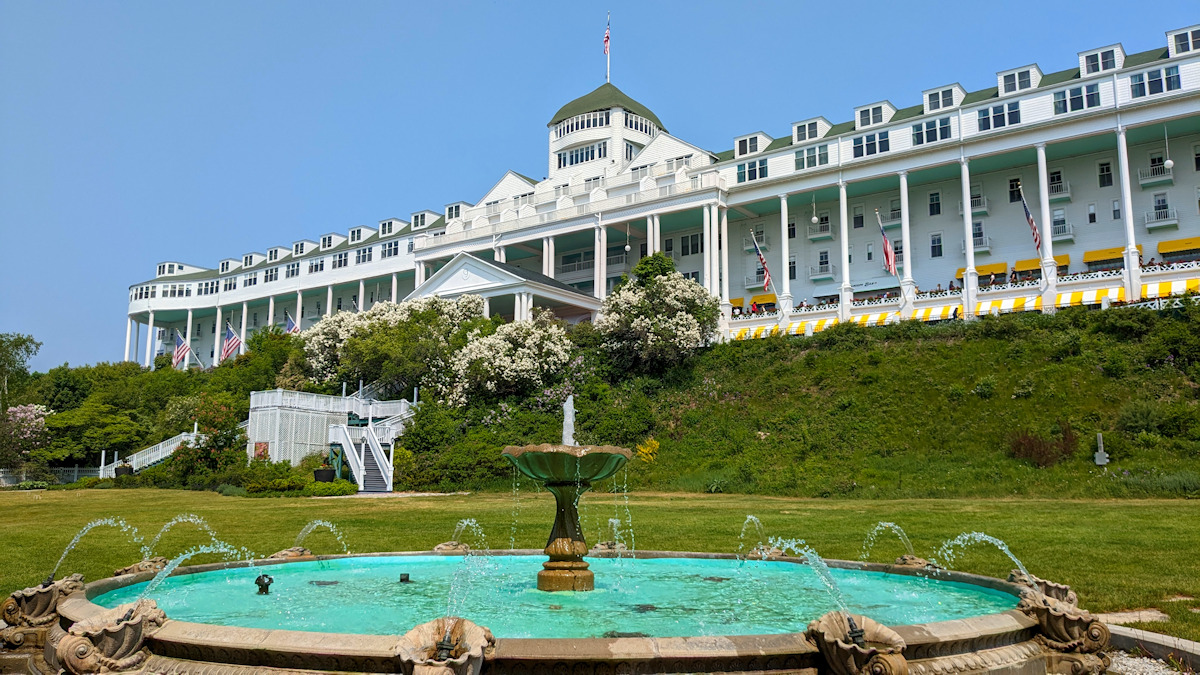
<point x="136" y="132"/>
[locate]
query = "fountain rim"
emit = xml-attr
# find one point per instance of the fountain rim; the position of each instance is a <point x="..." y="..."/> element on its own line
<point x="515" y="451"/>
<point x="180" y="637"/>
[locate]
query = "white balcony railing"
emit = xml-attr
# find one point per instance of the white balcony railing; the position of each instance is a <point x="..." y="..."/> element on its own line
<point x="568" y="268"/>
<point x="1154" y="174"/>
<point x="979" y="244"/>
<point x="820" y="231"/>
<point x="890" y="219"/>
<point x="764" y="242"/>
<point x="825" y="271"/>
<point x="755" y="280"/>
<point x="1062" y="231"/>
<point x="1161" y="217"/>
<point x="978" y="205"/>
<point x="1060" y="191"/>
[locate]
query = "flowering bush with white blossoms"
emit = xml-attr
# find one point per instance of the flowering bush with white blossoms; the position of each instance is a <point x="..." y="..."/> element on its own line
<point x="518" y="358"/>
<point x="651" y="324"/>
<point x="22" y="430"/>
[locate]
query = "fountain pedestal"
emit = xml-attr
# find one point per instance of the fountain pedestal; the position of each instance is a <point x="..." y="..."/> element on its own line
<point x="567" y="471"/>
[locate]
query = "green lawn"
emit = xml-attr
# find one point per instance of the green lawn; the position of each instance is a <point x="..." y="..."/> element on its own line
<point x="1117" y="554"/>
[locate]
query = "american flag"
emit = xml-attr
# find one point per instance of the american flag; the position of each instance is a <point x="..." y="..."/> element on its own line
<point x="889" y="253"/>
<point x="761" y="261"/>
<point x="232" y="342"/>
<point x="292" y="326"/>
<point x="181" y="349"/>
<point x="606" y="34"/>
<point x="1037" y="238"/>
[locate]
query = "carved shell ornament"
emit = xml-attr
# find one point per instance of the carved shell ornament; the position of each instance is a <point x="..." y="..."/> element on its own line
<point x="38" y="605"/>
<point x="1065" y="627"/>
<point x="881" y="653"/>
<point x="293" y="552"/>
<point x="154" y="564"/>
<point x="1061" y="592"/>
<point x="111" y="641"/>
<point x="468" y="643"/>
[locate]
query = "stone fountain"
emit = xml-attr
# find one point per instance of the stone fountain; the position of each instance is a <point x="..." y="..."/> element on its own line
<point x="567" y="471"/>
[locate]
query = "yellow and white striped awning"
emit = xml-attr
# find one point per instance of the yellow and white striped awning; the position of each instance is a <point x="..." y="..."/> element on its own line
<point x="1116" y="294"/>
<point x="1029" y="303"/>
<point x="880" y="319"/>
<point x="1164" y="289"/>
<point x="794" y="328"/>
<point x="755" y="333"/>
<point x="935" y="313"/>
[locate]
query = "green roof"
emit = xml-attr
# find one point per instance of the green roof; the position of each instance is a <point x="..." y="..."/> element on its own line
<point x="1142" y="58"/>
<point x="525" y="178"/>
<point x="602" y="98"/>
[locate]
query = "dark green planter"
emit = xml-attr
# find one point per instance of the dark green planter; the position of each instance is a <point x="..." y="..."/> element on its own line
<point x="123" y="471"/>
<point x="323" y="475"/>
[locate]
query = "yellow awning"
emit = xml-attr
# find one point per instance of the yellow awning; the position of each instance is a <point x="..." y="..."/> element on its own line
<point x="985" y="270"/>
<point x="764" y="299"/>
<point x="737" y="302"/>
<point x="1035" y="263"/>
<point x="1115" y="253"/>
<point x="1177" y="245"/>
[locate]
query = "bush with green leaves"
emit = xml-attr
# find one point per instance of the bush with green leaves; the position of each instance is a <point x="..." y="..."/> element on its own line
<point x="656" y="322"/>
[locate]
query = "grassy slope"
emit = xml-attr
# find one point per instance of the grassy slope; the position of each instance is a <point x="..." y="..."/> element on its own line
<point x="1117" y="554"/>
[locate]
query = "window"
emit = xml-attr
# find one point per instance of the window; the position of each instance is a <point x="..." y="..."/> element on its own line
<point x="806" y="132"/>
<point x="247" y="260"/>
<point x="1056" y="181"/>
<point x="585" y="121"/>
<point x="870" y="252"/>
<point x="935" y="245"/>
<point x="792" y="267"/>
<point x="1162" y="209"/>
<point x="385" y="228"/>
<point x="298" y="249"/>
<point x="1105" y="174"/>
<point x="752" y="171"/>
<point x="583" y="154"/>
<point x="643" y="250"/>
<point x="315" y="266"/>
<point x="748" y="145"/>
<point x="206" y="288"/>
<point x="669" y="247"/>
<point x="898" y="250"/>
<point x="1173" y="82"/>
<point x="1058" y="218"/>
<point x="340" y="260"/>
<point x="691" y="243"/>
<point x="590" y="184"/>
<point x="868" y="145"/>
<point x="271" y="275"/>
<point x="224" y="267"/>
<point x="389" y="249"/>
<point x="453" y="211"/>
<point x="362" y="255"/>
<point x="273" y="255"/>
<point x="1181" y="41"/>
<point x="630" y="151"/>
<point x="162" y="269"/>
<point x="418" y="220"/>
<point x="356" y="234"/>
<point x="694" y="276"/>
<point x="1017" y="81"/>
<point x="637" y="123"/>
<point x="857" y="216"/>
<point x="869" y="116"/>
<point x="810" y="157"/>
<point x="410" y="245"/>
<point x="823" y="259"/>
<point x="1105" y="60"/>
<point x="1196" y="156"/>
<point x="1091" y="213"/>
<point x="977" y="231"/>
<point x="933" y="130"/>
<point x="935" y="203"/>
<point x="1014" y="190"/>
<point x="995" y="118"/>
<point x="1151" y="82"/>
<point x="1116" y="209"/>
<point x="230" y="284"/>
<point x="791" y="227"/>
<point x="1076" y="98"/>
<point x="678" y="163"/>
<point x="522" y="199"/>
<point x="941" y="99"/>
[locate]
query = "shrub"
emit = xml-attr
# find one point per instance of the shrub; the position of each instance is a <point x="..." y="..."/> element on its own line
<point x="1044" y="452"/>
<point x="1024" y="388"/>
<point x="648" y="451"/>
<point x="985" y="387"/>
<point x="289" y="484"/>
<point x="657" y="322"/>
<point x="1115" y="365"/>
<point x="337" y="488"/>
<point x="32" y="485"/>
<point x="231" y="490"/>
<point x="1066" y="344"/>
<point x="1139" y="416"/>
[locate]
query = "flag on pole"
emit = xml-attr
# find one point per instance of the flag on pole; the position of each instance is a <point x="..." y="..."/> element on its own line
<point x="1037" y="238"/>
<point x="232" y="342"/>
<point x="181" y="349"/>
<point x="607" y="33"/>
<point x="292" y="326"/>
<point x="889" y="253"/>
<point x="761" y="261"/>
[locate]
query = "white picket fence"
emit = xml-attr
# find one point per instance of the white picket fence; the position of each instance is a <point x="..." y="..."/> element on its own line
<point x="151" y="455"/>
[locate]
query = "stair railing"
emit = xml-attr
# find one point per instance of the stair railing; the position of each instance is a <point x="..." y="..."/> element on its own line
<point x="340" y="433"/>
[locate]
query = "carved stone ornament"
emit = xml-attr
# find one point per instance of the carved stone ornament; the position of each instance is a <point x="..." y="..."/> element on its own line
<point x="29" y="612"/>
<point x="882" y="653"/>
<point x="110" y="642"/>
<point x="1065" y="627"/>
<point x="451" y="547"/>
<point x="154" y="564"/>
<point x="293" y="552"/>
<point x="917" y="562"/>
<point x="604" y="547"/>
<point x="1057" y="591"/>
<point x="418" y="648"/>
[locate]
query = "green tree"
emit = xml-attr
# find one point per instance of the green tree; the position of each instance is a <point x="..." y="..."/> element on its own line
<point x="221" y="445"/>
<point x="15" y="351"/>
<point x="652" y="267"/>
<point x="82" y="433"/>
<point x="65" y="388"/>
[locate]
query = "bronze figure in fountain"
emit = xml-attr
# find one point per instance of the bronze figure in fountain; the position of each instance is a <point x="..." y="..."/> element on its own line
<point x="567" y="471"/>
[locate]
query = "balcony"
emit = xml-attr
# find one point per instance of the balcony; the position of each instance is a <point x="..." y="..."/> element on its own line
<point x="891" y="219"/>
<point x="824" y="272"/>
<point x="1062" y="232"/>
<point x="1060" y="192"/>
<point x="764" y="242"/>
<point x="979" y="206"/>
<point x="1161" y="218"/>
<point x="573" y="267"/>
<point x="899" y="262"/>
<point x="980" y="244"/>
<point x="1156" y="175"/>
<point x="820" y="232"/>
<point x="618" y="263"/>
<point x="755" y="280"/>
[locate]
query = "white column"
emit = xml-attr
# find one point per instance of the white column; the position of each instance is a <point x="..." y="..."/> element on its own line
<point x="518" y="307"/>
<point x="601" y="266"/>
<point x="299" y="316"/>
<point x="1133" y="264"/>
<point x="328" y="300"/>
<point x="499" y="255"/>
<point x="907" y="285"/>
<point x="529" y="306"/>
<point x="420" y="273"/>
<point x="785" y="283"/>
<point x="707" y="243"/>
<point x="271" y="310"/>
<point x="658" y="245"/>
<point x="150" y="341"/>
<point x="218" y="339"/>
<point x="242" y="332"/>
<point x="545" y="258"/>
<point x="552" y="257"/>
<point x="715" y="253"/>
<point x="1049" y="267"/>
<point x="362" y="295"/>
<point x="487" y="308"/>
<point x="725" y="258"/>
<point x="847" y="290"/>
<point x="395" y="288"/>
<point x="970" y="288"/>
<point x="128" y="330"/>
<point x="137" y="339"/>
<point x="187" y="337"/>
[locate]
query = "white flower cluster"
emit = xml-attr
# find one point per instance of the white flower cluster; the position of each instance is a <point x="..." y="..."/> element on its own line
<point x="662" y="321"/>
<point x="518" y="357"/>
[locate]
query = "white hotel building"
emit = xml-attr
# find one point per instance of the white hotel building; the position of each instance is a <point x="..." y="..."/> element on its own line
<point x="1107" y="151"/>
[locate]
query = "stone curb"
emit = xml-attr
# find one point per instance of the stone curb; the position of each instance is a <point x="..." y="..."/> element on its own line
<point x="1156" y="644"/>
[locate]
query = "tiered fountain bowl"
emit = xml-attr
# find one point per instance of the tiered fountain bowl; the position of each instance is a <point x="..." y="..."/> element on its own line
<point x="567" y="471"/>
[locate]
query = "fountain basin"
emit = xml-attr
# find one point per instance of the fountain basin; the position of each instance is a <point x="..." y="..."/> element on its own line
<point x="1000" y="639"/>
<point x="549" y="463"/>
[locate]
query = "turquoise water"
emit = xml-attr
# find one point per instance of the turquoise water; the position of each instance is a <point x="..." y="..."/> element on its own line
<point x="660" y="597"/>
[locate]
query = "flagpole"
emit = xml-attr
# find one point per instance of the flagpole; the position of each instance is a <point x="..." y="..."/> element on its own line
<point x="607" y="50"/>
<point x="754" y="238"/>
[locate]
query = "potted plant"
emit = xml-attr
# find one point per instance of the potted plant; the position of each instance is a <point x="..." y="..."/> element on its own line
<point x="125" y="469"/>
<point x="325" y="474"/>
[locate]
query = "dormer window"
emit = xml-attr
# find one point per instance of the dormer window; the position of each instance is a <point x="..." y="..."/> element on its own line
<point x="1186" y="41"/>
<point x="869" y="116"/>
<point x="806" y="132"/>
<point x="224" y="267"/>
<point x="356" y="234"/>
<point x="247" y="260"/>
<point x="327" y="241"/>
<point x="418" y="220"/>
<point x="453" y="211"/>
<point x="748" y="145"/>
<point x="1017" y="81"/>
<point x="941" y="99"/>
<point x="298" y="249"/>
<point x="273" y="255"/>
<point x="385" y="228"/>
<point x="1105" y="60"/>
<point x="162" y="269"/>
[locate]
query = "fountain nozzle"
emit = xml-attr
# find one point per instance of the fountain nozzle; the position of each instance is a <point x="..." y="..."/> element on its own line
<point x="445" y="646"/>
<point x="49" y="581"/>
<point x="856" y="633"/>
<point x="264" y="582"/>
